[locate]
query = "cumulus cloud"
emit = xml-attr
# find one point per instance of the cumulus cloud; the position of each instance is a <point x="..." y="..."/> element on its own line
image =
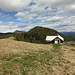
<point x="14" y="5"/>
<point x="18" y="5"/>
<point x="12" y="26"/>
<point x="7" y="16"/>
<point x="24" y="16"/>
<point x="20" y="14"/>
<point x="56" y="14"/>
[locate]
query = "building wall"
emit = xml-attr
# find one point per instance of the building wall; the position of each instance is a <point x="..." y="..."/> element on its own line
<point x="58" y="39"/>
<point x="53" y="41"/>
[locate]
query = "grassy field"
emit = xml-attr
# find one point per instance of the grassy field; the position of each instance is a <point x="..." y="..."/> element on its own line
<point x="22" y="58"/>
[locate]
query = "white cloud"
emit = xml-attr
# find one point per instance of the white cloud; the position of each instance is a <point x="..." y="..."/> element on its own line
<point x="20" y="14"/>
<point x="24" y="16"/>
<point x="12" y="26"/>
<point x="0" y="14"/>
<point x="55" y="18"/>
<point x="14" y="5"/>
<point x="56" y="14"/>
<point x="37" y="8"/>
<point x="19" y="5"/>
<point x="6" y="16"/>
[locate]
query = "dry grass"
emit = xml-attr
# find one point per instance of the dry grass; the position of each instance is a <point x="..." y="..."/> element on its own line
<point x="8" y="46"/>
<point x="22" y="58"/>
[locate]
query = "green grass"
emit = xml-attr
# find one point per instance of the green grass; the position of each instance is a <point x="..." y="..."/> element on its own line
<point x="27" y="63"/>
<point x="56" y="48"/>
<point x="34" y="63"/>
<point x="72" y="45"/>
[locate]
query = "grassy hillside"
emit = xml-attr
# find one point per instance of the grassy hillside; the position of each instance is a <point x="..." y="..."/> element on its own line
<point x="37" y="35"/>
<point x="22" y="58"/>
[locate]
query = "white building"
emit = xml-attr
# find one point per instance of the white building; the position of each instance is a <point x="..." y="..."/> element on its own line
<point x="54" y="39"/>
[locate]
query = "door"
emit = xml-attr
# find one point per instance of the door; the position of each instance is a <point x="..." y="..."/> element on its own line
<point x="56" y="41"/>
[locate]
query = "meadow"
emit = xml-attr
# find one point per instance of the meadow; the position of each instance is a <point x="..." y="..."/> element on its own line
<point x="23" y="58"/>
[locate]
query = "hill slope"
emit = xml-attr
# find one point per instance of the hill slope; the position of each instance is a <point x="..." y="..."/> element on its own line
<point x="70" y="35"/>
<point x="22" y="58"/>
<point x="42" y="32"/>
<point x="38" y="35"/>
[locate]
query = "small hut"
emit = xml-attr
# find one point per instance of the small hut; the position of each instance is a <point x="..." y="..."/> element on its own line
<point x="54" y="39"/>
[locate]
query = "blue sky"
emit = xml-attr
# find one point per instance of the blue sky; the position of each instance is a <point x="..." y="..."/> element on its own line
<point x="26" y="14"/>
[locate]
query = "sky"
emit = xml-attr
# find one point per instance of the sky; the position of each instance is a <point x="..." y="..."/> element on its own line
<point x="25" y="14"/>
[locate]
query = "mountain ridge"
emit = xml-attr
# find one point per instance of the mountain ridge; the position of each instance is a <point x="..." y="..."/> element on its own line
<point x="70" y="35"/>
<point x="17" y="31"/>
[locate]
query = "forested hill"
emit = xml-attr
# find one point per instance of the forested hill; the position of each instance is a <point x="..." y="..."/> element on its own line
<point x="38" y="35"/>
<point x="70" y="35"/>
<point x="44" y="31"/>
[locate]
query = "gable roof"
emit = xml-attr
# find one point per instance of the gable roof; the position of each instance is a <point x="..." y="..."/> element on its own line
<point x="50" y="38"/>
